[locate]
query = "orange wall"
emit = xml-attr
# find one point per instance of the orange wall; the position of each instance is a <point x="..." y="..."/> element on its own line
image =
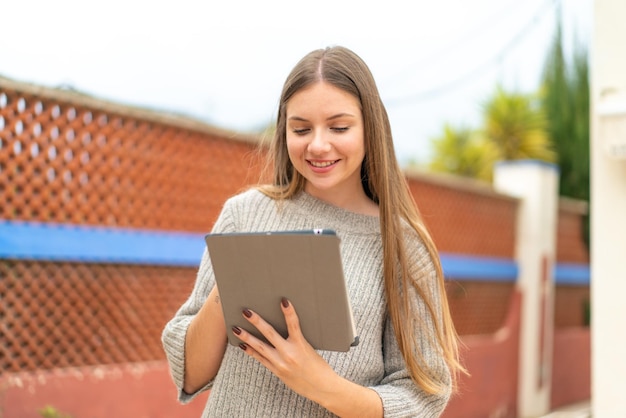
<point x="138" y="390"/>
<point x="492" y="361"/>
<point x="571" y="366"/>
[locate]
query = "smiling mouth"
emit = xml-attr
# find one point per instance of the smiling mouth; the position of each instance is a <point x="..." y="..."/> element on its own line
<point x="322" y="164"/>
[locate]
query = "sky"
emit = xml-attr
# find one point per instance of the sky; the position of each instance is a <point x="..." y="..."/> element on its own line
<point x="224" y="62"/>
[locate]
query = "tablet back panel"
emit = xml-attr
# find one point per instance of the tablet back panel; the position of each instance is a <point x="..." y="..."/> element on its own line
<point x="256" y="270"/>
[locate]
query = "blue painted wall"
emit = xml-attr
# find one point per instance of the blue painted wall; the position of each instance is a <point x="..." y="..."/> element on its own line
<point x="59" y="242"/>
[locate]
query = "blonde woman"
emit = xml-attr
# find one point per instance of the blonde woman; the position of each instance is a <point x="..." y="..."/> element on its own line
<point x="334" y="167"/>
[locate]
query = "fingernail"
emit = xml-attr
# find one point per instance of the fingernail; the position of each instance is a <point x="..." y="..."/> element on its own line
<point x="237" y="330"/>
<point x="285" y="303"/>
<point x="243" y="346"/>
<point x="247" y="313"/>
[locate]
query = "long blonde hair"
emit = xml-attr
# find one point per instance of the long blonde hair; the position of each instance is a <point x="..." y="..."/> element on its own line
<point x="384" y="182"/>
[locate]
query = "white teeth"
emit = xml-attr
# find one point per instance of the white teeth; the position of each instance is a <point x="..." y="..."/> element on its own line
<point x="322" y="164"/>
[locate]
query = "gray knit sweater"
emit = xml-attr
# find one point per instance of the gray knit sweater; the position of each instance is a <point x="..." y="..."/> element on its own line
<point x="244" y="388"/>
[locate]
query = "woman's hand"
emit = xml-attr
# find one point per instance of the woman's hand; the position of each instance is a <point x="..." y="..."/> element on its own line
<point x="293" y="360"/>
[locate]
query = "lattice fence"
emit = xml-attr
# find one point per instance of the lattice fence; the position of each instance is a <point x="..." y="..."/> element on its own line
<point x="67" y="163"/>
<point x="68" y="314"/>
<point x="66" y="158"/>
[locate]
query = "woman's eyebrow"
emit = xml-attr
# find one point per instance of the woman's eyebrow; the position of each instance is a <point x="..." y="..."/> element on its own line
<point x="341" y="115"/>
<point x="337" y="116"/>
<point x="297" y="118"/>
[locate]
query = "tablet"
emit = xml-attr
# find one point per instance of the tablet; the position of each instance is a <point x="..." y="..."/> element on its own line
<point x="256" y="270"/>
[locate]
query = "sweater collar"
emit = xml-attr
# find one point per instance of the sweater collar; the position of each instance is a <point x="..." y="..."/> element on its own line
<point x="334" y="217"/>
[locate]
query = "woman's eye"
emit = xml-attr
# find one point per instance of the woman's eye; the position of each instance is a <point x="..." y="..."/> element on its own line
<point x="340" y="128"/>
<point x="300" y="131"/>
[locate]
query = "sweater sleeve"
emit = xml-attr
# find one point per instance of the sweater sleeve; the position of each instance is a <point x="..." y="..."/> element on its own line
<point x="401" y="397"/>
<point x="175" y="331"/>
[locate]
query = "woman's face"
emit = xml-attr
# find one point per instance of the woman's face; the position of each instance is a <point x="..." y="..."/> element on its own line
<point x="325" y="141"/>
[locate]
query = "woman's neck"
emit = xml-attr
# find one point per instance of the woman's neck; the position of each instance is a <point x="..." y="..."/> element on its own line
<point x="356" y="201"/>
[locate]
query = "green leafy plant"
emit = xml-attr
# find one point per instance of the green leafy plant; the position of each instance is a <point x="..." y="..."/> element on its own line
<point x="514" y="128"/>
<point x="51" y="412"/>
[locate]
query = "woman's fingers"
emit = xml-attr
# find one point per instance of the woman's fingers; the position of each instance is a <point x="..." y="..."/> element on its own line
<point x="265" y="328"/>
<point x="292" y="321"/>
<point x="269" y="332"/>
<point x="260" y="349"/>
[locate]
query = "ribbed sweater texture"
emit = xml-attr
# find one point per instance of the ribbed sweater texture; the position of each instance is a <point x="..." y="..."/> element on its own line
<point x="245" y="388"/>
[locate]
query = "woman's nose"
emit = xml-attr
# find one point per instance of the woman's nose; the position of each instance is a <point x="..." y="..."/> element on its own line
<point x="319" y="143"/>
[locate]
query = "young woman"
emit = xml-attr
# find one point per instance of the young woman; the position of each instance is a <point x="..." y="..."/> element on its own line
<point x="334" y="167"/>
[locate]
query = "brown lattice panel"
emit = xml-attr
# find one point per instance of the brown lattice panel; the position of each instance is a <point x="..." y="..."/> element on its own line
<point x="64" y="314"/>
<point x="572" y="306"/>
<point x="69" y="163"/>
<point x="465" y="217"/>
<point x="479" y="307"/>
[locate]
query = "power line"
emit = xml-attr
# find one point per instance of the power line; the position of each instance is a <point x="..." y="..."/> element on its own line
<point x="437" y="91"/>
<point x="475" y="32"/>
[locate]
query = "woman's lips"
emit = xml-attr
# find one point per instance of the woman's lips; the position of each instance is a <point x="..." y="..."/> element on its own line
<point x="321" y="164"/>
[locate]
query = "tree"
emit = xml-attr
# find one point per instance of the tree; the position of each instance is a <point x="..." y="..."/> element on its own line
<point x="462" y="152"/>
<point x="565" y="99"/>
<point x="515" y="125"/>
<point x="514" y="128"/>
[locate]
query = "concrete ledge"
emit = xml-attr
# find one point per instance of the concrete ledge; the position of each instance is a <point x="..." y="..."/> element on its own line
<point x="578" y="410"/>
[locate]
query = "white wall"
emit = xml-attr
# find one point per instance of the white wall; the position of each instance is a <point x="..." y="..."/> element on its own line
<point x="536" y="185"/>
<point x="608" y="210"/>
